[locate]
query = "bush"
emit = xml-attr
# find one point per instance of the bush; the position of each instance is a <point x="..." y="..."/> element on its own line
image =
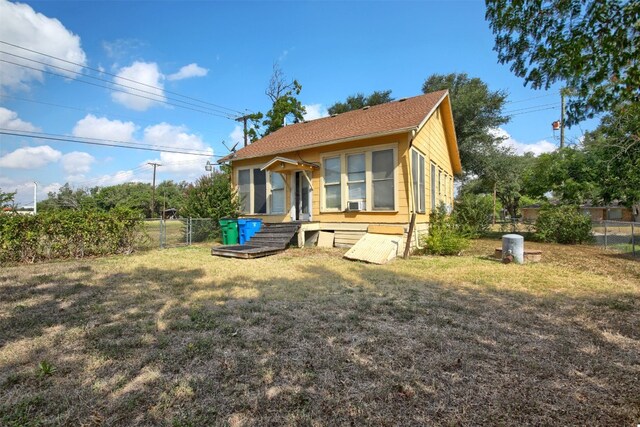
<point x="445" y="237"/>
<point x="563" y="224"/>
<point x="67" y="234"/>
<point x="472" y="214"/>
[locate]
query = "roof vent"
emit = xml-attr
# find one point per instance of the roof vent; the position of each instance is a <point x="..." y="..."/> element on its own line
<point x="366" y="107"/>
<point x="333" y="115"/>
<point x="402" y="99"/>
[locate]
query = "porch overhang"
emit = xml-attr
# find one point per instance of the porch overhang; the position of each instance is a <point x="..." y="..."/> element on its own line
<point x="283" y="164"/>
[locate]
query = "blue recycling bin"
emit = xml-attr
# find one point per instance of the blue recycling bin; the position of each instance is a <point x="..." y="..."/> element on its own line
<point x="247" y="227"/>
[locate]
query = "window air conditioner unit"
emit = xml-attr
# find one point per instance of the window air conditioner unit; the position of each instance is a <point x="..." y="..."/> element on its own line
<point x="356" y="206"/>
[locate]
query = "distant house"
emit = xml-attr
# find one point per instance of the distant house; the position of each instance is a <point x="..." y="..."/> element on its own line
<point x="613" y="212"/>
<point x="372" y="166"/>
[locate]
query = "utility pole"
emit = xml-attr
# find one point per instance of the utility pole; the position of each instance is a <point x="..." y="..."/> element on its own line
<point x="244" y="119"/>
<point x="35" y="197"/>
<point x="153" y="195"/>
<point x="562" y="91"/>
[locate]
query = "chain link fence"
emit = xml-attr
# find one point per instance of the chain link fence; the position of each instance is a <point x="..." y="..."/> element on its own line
<point x="167" y="233"/>
<point x="623" y="237"/>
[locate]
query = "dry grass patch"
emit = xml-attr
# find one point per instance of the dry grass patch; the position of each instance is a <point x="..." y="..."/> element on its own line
<point x="179" y="338"/>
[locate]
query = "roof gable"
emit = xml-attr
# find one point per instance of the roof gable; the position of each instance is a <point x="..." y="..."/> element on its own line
<point x="396" y="116"/>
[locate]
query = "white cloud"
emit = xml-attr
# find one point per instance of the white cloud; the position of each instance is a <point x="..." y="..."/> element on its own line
<point x="24" y="27"/>
<point x="177" y="137"/>
<point x="315" y="111"/>
<point x="9" y="120"/>
<point x="102" y="128"/>
<point x="146" y="73"/>
<point x="77" y="162"/>
<point x="537" y="148"/>
<point x="116" y="178"/>
<point x="188" y="71"/>
<point x="30" y="157"/>
<point x="237" y="135"/>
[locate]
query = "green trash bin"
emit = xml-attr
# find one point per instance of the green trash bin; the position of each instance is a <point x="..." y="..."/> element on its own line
<point x="229" y="228"/>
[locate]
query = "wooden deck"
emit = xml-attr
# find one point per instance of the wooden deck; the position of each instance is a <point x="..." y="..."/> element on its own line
<point x="271" y="239"/>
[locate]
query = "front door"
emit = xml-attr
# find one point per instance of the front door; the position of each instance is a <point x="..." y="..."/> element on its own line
<point x="302" y="198"/>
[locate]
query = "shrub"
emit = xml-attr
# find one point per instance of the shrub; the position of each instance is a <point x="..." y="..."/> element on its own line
<point x="67" y="234"/>
<point x="472" y="214"/>
<point x="563" y="224"/>
<point x="445" y="237"/>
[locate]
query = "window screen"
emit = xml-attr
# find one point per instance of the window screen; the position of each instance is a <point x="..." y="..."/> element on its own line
<point x="260" y="191"/>
<point x="244" y="190"/>
<point x="382" y="179"/>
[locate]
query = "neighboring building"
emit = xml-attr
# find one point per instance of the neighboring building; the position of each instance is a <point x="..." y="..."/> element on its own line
<point x="613" y="212"/>
<point x="372" y="166"/>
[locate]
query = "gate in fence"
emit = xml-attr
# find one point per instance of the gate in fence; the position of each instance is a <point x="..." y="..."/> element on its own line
<point x="165" y="233"/>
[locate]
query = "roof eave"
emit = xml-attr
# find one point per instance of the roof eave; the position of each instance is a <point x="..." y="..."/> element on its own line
<point x="335" y="141"/>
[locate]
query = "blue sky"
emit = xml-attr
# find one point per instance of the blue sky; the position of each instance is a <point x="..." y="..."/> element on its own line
<point x="222" y="53"/>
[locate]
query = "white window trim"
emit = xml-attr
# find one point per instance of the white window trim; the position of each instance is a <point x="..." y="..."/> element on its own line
<point x="344" y="192"/>
<point x="267" y="190"/>
<point x="422" y="196"/>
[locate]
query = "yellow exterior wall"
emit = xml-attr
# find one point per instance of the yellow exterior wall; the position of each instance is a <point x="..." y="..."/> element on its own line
<point x="430" y="140"/>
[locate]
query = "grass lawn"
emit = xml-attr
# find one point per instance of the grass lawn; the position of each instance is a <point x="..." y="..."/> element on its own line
<point x="180" y="338"/>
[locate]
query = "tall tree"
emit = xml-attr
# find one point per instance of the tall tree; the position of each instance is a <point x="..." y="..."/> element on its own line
<point x="568" y="173"/>
<point x="212" y="196"/>
<point x="615" y="149"/>
<point x="590" y="46"/>
<point x="68" y="198"/>
<point x="359" y="100"/>
<point x="282" y="94"/>
<point x="476" y="112"/>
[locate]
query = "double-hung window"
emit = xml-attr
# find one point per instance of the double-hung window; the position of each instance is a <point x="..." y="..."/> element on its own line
<point x="382" y="177"/>
<point x="244" y="190"/>
<point x="418" y="178"/>
<point x="333" y="183"/>
<point x="277" y="193"/>
<point x="356" y="178"/>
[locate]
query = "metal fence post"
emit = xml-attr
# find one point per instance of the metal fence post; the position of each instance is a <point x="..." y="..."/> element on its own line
<point x="633" y="239"/>
<point x="605" y="234"/>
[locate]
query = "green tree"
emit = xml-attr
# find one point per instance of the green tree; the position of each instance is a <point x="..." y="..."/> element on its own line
<point x="131" y="195"/>
<point x="568" y="173"/>
<point x="212" y="196"/>
<point x="170" y="194"/>
<point x="7" y="199"/>
<point x="359" y="100"/>
<point x="284" y="102"/>
<point x="590" y="46"/>
<point x="503" y="177"/>
<point x="476" y="112"/>
<point x="614" y="149"/>
<point x="68" y="198"/>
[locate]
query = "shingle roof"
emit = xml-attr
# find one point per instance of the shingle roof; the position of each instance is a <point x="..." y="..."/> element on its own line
<point x="384" y="118"/>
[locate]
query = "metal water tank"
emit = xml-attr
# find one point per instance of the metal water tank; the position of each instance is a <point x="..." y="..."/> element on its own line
<point x="513" y="248"/>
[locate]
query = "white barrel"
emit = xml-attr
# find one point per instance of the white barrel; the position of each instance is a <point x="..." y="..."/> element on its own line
<point x="513" y="248"/>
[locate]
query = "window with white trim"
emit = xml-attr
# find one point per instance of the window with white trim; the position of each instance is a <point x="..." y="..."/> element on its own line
<point x="252" y="191"/>
<point x="356" y="178"/>
<point x="418" y="178"/>
<point x="332" y="183"/>
<point x="244" y="190"/>
<point x="366" y="176"/>
<point x="382" y="179"/>
<point x="277" y="193"/>
<point x="433" y="187"/>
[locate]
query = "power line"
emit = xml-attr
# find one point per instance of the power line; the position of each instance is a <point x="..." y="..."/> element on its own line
<point x="529" y="99"/>
<point x="230" y="117"/>
<point x="95" y="141"/>
<point x="108" y="140"/>
<point x="115" y="75"/>
<point x="531" y="107"/>
<point x="115" y="83"/>
<point x="535" y="111"/>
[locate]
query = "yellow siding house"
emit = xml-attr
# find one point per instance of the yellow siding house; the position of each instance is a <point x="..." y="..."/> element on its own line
<point x="373" y="166"/>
